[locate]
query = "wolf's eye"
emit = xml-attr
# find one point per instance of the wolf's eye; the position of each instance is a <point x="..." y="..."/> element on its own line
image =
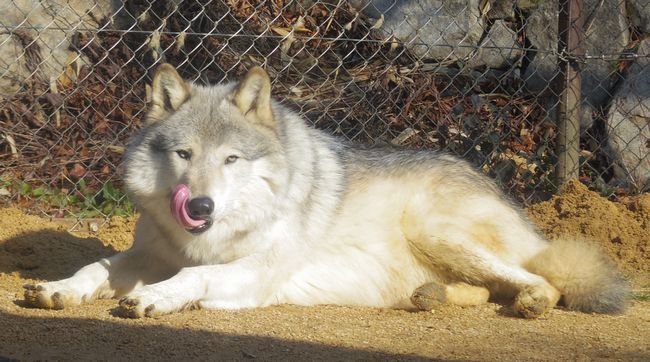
<point x="184" y="154"/>
<point x="231" y="159"/>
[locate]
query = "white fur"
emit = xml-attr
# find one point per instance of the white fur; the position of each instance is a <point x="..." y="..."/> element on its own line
<point x="301" y="224"/>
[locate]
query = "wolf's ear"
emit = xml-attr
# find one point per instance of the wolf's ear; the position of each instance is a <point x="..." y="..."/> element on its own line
<point x="253" y="97"/>
<point x="169" y="92"/>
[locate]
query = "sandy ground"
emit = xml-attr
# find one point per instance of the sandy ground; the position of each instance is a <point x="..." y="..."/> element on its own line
<point x="35" y="249"/>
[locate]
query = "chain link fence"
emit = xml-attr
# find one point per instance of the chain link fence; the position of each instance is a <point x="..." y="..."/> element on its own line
<point x="531" y="92"/>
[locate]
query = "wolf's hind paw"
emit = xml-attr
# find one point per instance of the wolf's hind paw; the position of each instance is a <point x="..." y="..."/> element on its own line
<point x="430" y="295"/>
<point x="532" y="302"/>
<point x="528" y="306"/>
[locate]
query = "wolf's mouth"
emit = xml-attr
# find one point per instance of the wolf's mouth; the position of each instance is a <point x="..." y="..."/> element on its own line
<point x="193" y="224"/>
<point x="202" y="228"/>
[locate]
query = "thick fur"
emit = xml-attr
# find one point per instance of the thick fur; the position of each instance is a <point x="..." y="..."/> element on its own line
<point x="586" y="278"/>
<point x="304" y="218"/>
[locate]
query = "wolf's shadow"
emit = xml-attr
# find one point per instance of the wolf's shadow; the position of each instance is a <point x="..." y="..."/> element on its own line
<point x="49" y="254"/>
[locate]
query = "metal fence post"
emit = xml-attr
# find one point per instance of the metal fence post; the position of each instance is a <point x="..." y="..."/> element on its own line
<point x="571" y="52"/>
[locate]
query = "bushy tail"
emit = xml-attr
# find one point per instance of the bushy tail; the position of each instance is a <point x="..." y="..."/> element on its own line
<point x="588" y="280"/>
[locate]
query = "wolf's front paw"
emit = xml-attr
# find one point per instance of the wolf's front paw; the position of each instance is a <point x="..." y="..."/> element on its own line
<point x="53" y="295"/>
<point x="132" y="307"/>
<point x="150" y="302"/>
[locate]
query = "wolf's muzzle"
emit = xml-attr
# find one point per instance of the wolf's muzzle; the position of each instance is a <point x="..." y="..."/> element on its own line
<point x="194" y="214"/>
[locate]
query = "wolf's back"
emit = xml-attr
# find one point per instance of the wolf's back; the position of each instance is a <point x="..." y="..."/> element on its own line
<point x="586" y="277"/>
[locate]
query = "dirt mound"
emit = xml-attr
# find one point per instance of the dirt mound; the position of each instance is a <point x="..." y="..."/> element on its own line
<point x="622" y="228"/>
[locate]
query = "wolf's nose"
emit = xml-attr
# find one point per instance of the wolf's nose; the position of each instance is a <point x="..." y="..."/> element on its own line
<point x="200" y="207"/>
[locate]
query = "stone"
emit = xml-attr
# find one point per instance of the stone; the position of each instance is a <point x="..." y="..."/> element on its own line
<point x="501" y="9"/>
<point x="37" y="43"/>
<point x="639" y="12"/>
<point x="442" y="30"/>
<point x="606" y="33"/>
<point x="628" y="123"/>
<point x="499" y="49"/>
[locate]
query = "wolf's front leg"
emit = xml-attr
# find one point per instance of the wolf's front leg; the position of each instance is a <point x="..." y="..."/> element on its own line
<point x="107" y="278"/>
<point x="244" y="283"/>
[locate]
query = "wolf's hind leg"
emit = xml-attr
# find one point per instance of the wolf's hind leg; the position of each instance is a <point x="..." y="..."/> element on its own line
<point x="106" y="278"/>
<point x="429" y="295"/>
<point x="447" y="244"/>
<point x="534" y="295"/>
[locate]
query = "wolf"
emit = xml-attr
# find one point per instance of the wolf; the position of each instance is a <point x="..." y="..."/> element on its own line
<point x="243" y="204"/>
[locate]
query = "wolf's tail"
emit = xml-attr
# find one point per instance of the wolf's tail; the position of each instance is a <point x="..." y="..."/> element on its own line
<point x="588" y="280"/>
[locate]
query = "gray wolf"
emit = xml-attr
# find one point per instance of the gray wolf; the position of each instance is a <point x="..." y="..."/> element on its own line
<point x="244" y="205"/>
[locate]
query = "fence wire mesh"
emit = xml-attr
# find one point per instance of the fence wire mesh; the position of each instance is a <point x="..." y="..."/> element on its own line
<point x="482" y="79"/>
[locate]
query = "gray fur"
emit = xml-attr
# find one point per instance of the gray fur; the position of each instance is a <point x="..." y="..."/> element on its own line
<point x="301" y="217"/>
<point x="301" y="150"/>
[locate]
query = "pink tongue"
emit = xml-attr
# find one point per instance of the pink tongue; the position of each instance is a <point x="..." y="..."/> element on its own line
<point x="180" y="195"/>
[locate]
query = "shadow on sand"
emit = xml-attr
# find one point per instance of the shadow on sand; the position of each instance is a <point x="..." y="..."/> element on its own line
<point x="49" y="254"/>
<point x="38" y="338"/>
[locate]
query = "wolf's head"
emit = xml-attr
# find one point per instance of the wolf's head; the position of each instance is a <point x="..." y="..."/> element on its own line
<point x="208" y="155"/>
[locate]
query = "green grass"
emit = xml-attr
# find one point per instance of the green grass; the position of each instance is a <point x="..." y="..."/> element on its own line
<point x="84" y="201"/>
<point x="641" y="296"/>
